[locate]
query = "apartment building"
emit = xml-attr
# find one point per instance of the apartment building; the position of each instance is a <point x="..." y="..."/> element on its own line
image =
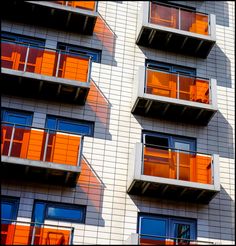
<point x="117" y="122"/>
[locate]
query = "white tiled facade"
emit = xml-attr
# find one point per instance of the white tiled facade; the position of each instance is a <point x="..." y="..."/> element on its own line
<point x="112" y="214"/>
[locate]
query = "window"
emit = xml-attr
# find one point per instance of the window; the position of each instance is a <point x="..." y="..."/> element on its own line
<point x="169" y="141"/>
<point x="170" y="68"/>
<point x="58" y="211"/>
<point x="17" y="117"/>
<point x="9" y="209"/>
<point x="69" y="125"/>
<point x="23" y="39"/>
<point x="153" y="228"/>
<point x="95" y="54"/>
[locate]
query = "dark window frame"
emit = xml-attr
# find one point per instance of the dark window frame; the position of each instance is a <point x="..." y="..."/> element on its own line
<point x="59" y="205"/>
<point x="90" y="124"/>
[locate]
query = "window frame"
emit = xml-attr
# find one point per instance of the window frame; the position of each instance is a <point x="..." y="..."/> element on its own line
<point x="170" y="223"/>
<point x="81" y="50"/>
<point x="59" y="205"/>
<point x="171" y="138"/>
<point x="90" y="124"/>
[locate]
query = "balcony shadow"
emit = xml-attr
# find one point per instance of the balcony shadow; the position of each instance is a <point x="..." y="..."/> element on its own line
<point x="90" y="188"/>
<point x="222" y="69"/>
<point x="222" y="7"/>
<point x="100" y="108"/>
<point x="107" y="38"/>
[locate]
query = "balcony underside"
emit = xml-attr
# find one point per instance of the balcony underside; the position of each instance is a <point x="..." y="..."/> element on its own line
<point x="171" y="192"/>
<point x="178" y="43"/>
<point x="38" y="171"/>
<point x="31" y="85"/>
<point x="58" y="17"/>
<point x="171" y="111"/>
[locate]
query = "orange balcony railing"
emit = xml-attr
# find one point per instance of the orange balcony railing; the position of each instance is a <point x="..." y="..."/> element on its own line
<point x="41" y="144"/>
<point x="88" y="5"/>
<point x="44" y="61"/>
<point x="145" y="239"/>
<point x="177" y="86"/>
<point x="179" y="18"/>
<point x="177" y="164"/>
<point x="26" y="233"/>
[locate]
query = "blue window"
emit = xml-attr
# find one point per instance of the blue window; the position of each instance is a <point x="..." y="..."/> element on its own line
<point x="68" y="125"/>
<point x="23" y="39"/>
<point x="17" y="117"/>
<point x="95" y="54"/>
<point x="170" y="68"/>
<point x="169" y="141"/>
<point x="9" y="209"/>
<point x="58" y="211"/>
<point x="160" y="228"/>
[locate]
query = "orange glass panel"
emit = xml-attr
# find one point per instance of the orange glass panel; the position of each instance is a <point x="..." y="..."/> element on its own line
<point x="159" y="162"/>
<point x="164" y="15"/>
<point x="22" y="235"/>
<point x="45" y="62"/>
<point x="161" y="84"/>
<point x="179" y="19"/>
<point x="73" y="67"/>
<point x="165" y="84"/>
<point x="30" y="143"/>
<point x="163" y="163"/>
<point x="89" y="5"/>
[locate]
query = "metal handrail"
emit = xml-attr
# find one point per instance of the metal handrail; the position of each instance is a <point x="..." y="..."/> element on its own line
<point x="181" y="150"/>
<point x="176" y="73"/>
<point x="46" y="48"/>
<point x="173" y="238"/>
<point x="42" y="128"/>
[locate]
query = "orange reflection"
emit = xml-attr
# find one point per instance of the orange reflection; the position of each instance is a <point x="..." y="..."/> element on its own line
<point x="105" y="35"/>
<point x="99" y="104"/>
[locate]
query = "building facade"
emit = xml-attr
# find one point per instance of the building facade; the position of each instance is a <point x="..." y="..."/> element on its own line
<point x="118" y="122"/>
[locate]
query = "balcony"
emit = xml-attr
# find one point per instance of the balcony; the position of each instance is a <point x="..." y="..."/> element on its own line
<point x="40" y="155"/>
<point x="169" y="28"/>
<point x="44" y="73"/>
<point x="174" y="97"/>
<point x="72" y="16"/>
<point x="143" y="239"/>
<point x="173" y="174"/>
<point x="26" y="233"/>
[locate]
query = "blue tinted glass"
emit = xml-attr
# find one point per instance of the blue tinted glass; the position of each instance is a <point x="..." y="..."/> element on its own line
<point x="51" y="123"/>
<point x="6" y="211"/>
<point x="54" y="212"/>
<point x="39" y="212"/>
<point x="182" y="231"/>
<point x="154" y="227"/>
<point x="17" y="117"/>
<point x="75" y="128"/>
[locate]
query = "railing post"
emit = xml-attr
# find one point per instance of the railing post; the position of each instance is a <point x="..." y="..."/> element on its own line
<point x="45" y="146"/>
<point x="26" y="57"/>
<point x="178" y="86"/>
<point x="89" y="70"/>
<point x="80" y="151"/>
<point x="179" y="19"/>
<point x="58" y="62"/>
<point x="11" y="140"/>
<point x="71" y="236"/>
<point x="212" y="171"/>
<point x="177" y="164"/>
<point x="33" y="236"/>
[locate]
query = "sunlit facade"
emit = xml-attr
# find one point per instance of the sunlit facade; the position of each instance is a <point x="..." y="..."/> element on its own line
<point x="117" y="123"/>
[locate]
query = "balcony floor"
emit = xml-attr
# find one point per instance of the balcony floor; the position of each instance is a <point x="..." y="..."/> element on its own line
<point x="32" y="85"/>
<point x="170" y="192"/>
<point x="58" y="17"/>
<point x="38" y="171"/>
<point x="173" y="42"/>
<point x="171" y="111"/>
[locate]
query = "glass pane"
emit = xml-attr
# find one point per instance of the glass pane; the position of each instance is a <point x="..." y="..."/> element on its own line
<point x="182" y="146"/>
<point x="72" y="127"/>
<point x="39" y="211"/>
<point x="153" y="227"/>
<point x="6" y="211"/>
<point x="181" y="231"/>
<point x="54" y="212"/>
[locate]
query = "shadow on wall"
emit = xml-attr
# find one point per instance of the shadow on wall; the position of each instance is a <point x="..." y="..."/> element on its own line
<point x="107" y="38"/>
<point x="91" y="188"/>
<point x="221" y="216"/>
<point x="100" y="106"/>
